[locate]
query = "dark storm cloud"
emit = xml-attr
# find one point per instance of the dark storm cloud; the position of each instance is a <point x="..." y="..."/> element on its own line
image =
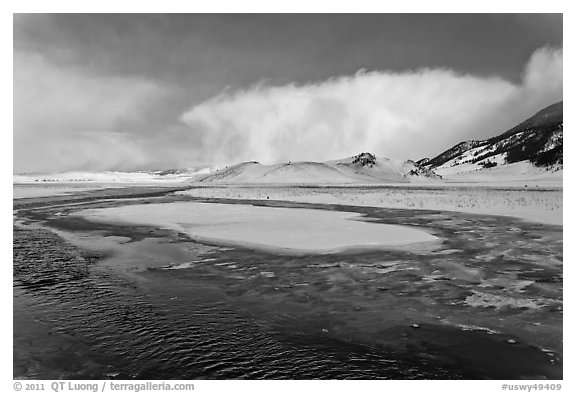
<point x="141" y="73"/>
<point x="287" y="48"/>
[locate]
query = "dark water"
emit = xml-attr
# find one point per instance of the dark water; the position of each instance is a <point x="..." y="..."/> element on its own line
<point x="487" y="304"/>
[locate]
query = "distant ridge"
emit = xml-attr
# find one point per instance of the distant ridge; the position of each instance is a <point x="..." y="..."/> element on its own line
<point x="536" y="142"/>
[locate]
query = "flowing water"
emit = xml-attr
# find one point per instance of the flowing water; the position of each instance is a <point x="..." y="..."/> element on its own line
<point x="95" y="300"/>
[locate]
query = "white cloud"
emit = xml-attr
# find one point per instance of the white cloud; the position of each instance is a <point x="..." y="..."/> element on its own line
<point x="543" y="75"/>
<point x="102" y="150"/>
<point x="398" y="115"/>
<point x="65" y="119"/>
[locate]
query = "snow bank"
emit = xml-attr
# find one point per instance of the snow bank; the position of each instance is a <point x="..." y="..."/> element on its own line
<point x="534" y="204"/>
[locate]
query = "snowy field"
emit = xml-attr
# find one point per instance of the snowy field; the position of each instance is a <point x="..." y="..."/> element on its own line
<point x="38" y="191"/>
<point x="537" y="204"/>
<point x="542" y="203"/>
<point x="144" y="177"/>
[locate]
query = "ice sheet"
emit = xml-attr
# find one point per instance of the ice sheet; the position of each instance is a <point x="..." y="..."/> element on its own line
<point x="291" y="229"/>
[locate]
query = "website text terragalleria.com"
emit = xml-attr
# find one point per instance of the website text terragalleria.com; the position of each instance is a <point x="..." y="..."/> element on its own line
<point x="105" y="386"/>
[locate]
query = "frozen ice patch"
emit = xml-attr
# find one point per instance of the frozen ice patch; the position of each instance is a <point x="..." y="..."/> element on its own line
<point x="308" y="230"/>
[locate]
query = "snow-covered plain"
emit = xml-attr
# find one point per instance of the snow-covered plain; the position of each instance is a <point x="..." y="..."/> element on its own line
<point x="105" y="177"/>
<point x="52" y="184"/>
<point x="296" y="230"/>
<point x="538" y="204"/>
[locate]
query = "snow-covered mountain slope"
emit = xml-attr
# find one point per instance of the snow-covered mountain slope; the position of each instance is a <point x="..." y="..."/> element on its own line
<point x="532" y="149"/>
<point x="363" y="168"/>
<point x="141" y="177"/>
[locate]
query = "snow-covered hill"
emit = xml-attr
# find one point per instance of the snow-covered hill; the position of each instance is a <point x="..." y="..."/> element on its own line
<point x="363" y="168"/>
<point x="531" y="150"/>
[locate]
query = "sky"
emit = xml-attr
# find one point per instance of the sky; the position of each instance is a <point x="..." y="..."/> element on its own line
<point x="132" y="92"/>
